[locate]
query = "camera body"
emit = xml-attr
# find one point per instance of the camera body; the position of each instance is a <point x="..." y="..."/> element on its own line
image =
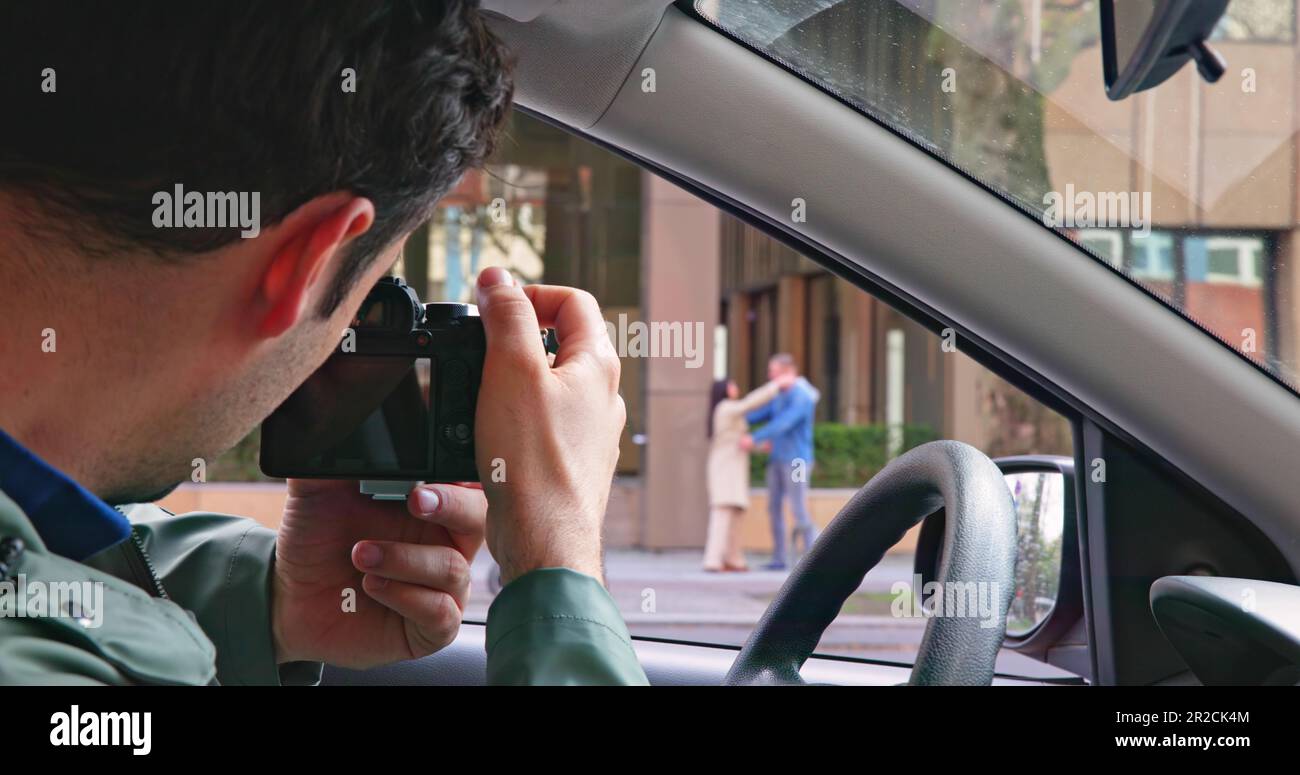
<point x="394" y="403"/>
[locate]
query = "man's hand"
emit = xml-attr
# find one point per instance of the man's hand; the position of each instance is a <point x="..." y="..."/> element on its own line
<point x="360" y="582"/>
<point x="546" y="437"/>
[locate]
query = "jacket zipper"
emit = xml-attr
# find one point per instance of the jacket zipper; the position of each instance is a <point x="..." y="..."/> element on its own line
<point x="156" y="582"/>
<point x="143" y="563"/>
<point x="150" y="573"/>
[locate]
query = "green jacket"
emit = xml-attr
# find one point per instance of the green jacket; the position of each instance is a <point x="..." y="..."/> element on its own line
<point x="186" y="600"/>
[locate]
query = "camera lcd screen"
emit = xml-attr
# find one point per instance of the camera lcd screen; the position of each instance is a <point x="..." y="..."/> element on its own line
<point x="355" y="417"/>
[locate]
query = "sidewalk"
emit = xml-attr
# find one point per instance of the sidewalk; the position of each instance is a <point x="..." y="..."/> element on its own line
<point x="683" y="592"/>
<point x="667" y="595"/>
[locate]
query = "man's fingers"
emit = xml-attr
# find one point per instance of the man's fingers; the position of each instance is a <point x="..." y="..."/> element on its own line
<point x="576" y="318"/>
<point x="460" y="509"/>
<point x="435" y="614"/>
<point x="439" y="568"/>
<point x="513" y="333"/>
<point x="579" y="327"/>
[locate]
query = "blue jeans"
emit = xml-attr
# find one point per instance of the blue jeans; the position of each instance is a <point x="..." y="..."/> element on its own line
<point x="781" y="484"/>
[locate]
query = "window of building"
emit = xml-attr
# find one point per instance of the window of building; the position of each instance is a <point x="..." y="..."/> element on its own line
<point x="1153" y="256"/>
<point x="1234" y="260"/>
<point x="1106" y="243"/>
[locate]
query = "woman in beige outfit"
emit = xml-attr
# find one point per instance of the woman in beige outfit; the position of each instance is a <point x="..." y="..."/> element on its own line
<point x="728" y="473"/>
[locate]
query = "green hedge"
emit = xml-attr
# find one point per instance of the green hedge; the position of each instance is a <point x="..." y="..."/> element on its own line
<point x="846" y="455"/>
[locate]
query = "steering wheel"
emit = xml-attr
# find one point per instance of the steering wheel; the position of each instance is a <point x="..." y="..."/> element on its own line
<point x="979" y="547"/>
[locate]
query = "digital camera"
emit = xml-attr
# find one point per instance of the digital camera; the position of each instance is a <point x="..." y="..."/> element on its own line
<point x="395" y="403"/>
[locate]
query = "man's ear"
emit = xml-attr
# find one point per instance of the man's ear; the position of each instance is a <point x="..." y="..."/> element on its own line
<point x="312" y="241"/>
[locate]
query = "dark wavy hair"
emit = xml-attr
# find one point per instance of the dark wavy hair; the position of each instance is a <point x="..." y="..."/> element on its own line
<point x="717" y="394"/>
<point x="243" y="95"/>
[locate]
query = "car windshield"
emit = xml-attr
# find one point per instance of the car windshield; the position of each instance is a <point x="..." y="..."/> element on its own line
<point x="1188" y="189"/>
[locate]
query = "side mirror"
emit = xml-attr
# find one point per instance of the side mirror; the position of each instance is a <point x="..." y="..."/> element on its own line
<point x="1040" y="497"/>
<point x="1144" y="42"/>
<point x="1047" y="604"/>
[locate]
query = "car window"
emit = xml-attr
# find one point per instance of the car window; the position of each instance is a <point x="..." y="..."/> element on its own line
<point x="1188" y="189"/>
<point x="692" y="296"/>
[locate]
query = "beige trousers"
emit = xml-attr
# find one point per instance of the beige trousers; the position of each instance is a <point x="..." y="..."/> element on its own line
<point x="722" y="547"/>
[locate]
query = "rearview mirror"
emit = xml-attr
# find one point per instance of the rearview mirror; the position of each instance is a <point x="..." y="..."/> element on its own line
<point x="1144" y="42"/>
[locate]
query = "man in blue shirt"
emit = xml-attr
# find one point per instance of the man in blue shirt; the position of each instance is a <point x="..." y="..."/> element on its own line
<point x="789" y="432"/>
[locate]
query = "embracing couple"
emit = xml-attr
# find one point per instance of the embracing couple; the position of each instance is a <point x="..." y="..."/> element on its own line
<point x="785" y="404"/>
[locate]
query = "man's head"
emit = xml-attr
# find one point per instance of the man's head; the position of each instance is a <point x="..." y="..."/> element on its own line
<point x="782" y="367"/>
<point x="347" y="121"/>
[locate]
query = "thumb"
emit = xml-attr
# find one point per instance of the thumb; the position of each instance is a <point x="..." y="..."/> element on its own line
<point x="509" y="321"/>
